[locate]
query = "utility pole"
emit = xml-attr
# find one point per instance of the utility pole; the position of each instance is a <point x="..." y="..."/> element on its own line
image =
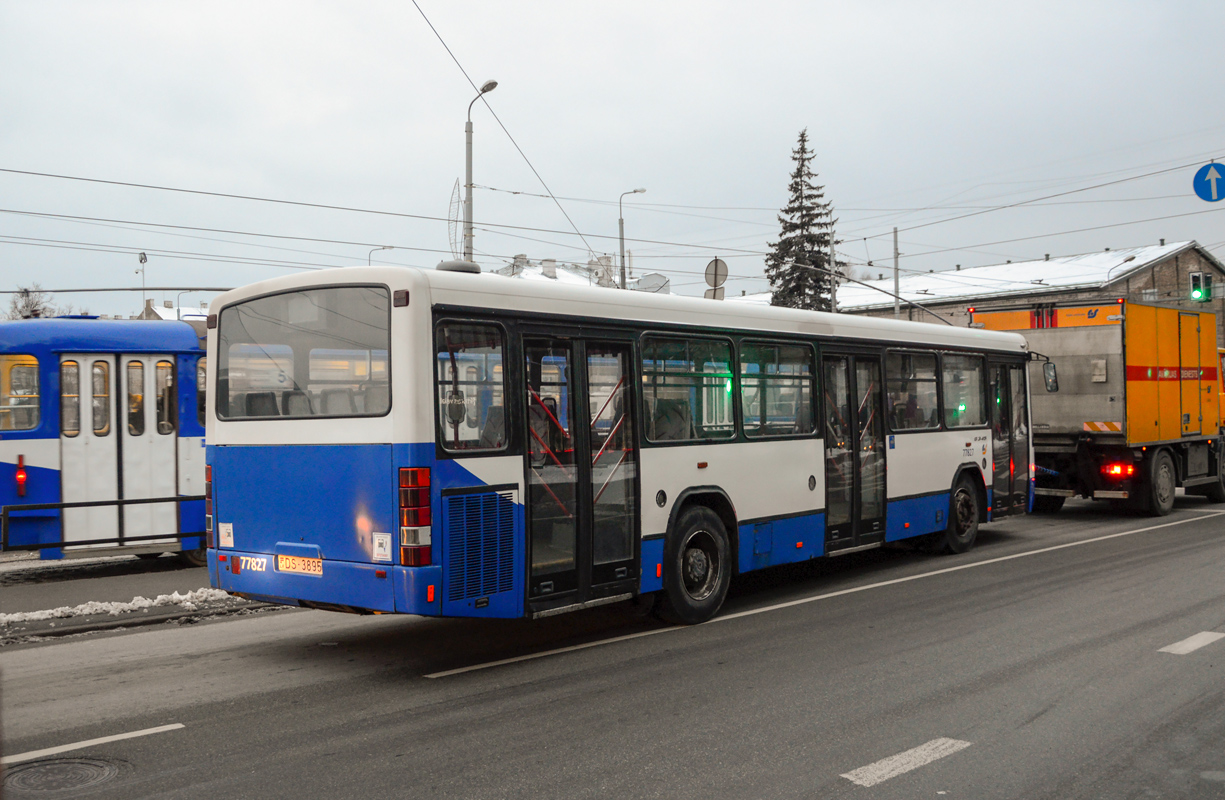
<point x="897" y="303"/>
<point x="833" y="268"/>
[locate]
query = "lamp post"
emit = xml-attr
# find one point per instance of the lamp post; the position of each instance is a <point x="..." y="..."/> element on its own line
<point x="487" y="86"/>
<point x="141" y="269"/>
<point x="375" y="250"/>
<point x="621" y="230"/>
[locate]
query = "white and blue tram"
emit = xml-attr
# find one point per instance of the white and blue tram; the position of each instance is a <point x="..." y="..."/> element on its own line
<point x="448" y="443"/>
<point x="102" y="437"/>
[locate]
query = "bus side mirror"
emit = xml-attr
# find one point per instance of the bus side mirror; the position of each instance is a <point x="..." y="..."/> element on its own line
<point x="457" y="408"/>
<point x="1050" y="376"/>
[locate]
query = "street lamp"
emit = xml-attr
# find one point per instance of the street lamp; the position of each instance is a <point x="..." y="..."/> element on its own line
<point x="141" y="269"/>
<point x="621" y="229"/>
<point x="375" y="250"/>
<point x="487" y="86"/>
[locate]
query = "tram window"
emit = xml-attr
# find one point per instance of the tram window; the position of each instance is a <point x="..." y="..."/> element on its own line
<point x="19" y="394"/>
<point x="136" y="398"/>
<point x="102" y="398"/>
<point x="470" y="389"/>
<point x="70" y="398"/>
<point x="201" y="384"/>
<point x="911" y="383"/>
<point x="167" y="399"/>
<point x="963" y="383"/>
<point x="776" y="388"/>
<point x="687" y="385"/>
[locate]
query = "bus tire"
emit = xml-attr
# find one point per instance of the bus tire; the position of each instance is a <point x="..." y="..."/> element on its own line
<point x="697" y="567"/>
<point x="1047" y="504"/>
<point x="962" y="528"/>
<point x="1159" y="487"/>
<point x="194" y="558"/>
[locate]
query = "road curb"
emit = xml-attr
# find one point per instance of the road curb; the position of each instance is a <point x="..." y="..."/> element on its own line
<point x="130" y="620"/>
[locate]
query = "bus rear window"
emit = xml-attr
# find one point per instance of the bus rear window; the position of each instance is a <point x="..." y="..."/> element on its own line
<point x="18" y="393"/>
<point x="310" y="353"/>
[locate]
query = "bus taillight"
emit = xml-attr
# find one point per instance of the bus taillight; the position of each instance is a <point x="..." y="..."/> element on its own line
<point x="208" y="505"/>
<point x="21" y="476"/>
<point x="415" y="517"/>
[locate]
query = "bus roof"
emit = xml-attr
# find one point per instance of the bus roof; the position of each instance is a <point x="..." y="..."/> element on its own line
<point x="64" y="335"/>
<point x="500" y="293"/>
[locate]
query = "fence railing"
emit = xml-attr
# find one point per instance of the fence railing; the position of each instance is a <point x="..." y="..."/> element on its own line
<point x="7" y="512"/>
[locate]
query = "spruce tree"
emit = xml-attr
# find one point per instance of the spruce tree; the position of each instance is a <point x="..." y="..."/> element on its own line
<point x="807" y="223"/>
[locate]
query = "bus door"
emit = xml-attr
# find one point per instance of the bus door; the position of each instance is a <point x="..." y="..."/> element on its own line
<point x="149" y="445"/>
<point x="89" y="445"/>
<point x="1009" y="440"/>
<point x="854" y="452"/>
<point x="582" y="464"/>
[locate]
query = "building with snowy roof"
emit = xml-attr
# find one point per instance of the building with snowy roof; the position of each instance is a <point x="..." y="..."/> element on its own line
<point x="1151" y="274"/>
<point x="597" y="272"/>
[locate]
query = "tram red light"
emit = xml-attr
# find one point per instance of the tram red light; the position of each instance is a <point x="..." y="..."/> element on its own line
<point x="1118" y="470"/>
<point x="21" y="477"/>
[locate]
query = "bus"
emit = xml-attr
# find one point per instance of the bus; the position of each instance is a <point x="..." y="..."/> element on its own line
<point x="439" y="442"/>
<point x="102" y="438"/>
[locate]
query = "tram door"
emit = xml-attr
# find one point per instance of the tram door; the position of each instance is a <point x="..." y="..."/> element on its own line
<point x="1009" y="440"/>
<point x="582" y="463"/>
<point x="118" y="440"/>
<point x="854" y="452"/>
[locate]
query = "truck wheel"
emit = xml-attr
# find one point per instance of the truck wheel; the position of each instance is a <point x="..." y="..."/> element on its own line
<point x="697" y="567"/>
<point x="1160" y="485"/>
<point x="1047" y="503"/>
<point x="962" y="529"/>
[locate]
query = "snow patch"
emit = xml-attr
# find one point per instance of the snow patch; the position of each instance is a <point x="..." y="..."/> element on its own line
<point x="189" y="602"/>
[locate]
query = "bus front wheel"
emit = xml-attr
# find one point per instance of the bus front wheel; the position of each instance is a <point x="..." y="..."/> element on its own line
<point x="697" y="567"/>
<point x="962" y="528"/>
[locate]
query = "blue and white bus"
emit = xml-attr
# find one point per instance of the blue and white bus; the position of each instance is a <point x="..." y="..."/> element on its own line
<point x="455" y="444"/>
<point x="97" y="419"/>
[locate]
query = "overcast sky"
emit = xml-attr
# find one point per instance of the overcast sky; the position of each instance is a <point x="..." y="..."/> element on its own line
<point x="918" y="113"/>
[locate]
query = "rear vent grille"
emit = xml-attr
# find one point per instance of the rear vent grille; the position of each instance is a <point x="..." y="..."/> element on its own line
<point x="480" y="537"/>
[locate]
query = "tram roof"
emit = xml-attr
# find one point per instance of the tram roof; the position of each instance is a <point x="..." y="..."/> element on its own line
<point x="83" y="335"/>
<point x="586" y="303"/>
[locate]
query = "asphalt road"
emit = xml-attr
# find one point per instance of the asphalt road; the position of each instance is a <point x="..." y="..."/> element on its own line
<point x="1031" y="667"/>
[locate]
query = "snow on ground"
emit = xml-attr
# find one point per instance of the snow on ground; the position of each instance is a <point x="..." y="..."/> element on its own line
<point x="189" y="602"/>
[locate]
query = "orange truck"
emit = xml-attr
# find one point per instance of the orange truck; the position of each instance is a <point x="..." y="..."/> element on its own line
<point x="1127" y="405"/>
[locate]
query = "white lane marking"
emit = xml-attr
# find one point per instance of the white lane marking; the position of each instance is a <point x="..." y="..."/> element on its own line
<point x="64" y="748"/>
<point x="1192" y="643"/>
<point x="913" y="758"/>
<point x="815" y="598"/>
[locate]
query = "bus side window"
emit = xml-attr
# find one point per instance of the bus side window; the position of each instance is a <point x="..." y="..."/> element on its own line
<point x="469" y="391"/>
<point x="776" y="387"/>
<point x="201" y="383"/>
<point x="687" y="387"/>
<point x="964" y="385"/>
<point x="70" y="399"/>
<point x="911" y="383"/>
<point x="19" y="394"/>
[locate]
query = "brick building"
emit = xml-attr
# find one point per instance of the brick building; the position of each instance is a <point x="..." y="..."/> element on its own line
<point x="1154" y="274"/>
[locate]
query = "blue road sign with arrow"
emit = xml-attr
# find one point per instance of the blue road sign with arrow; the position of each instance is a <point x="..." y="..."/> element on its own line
<point x="1209" y="182"/>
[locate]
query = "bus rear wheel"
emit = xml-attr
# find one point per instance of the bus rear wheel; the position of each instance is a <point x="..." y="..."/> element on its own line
<point x="962" y="528"/>
<point x="194" y="558"/>
<point x="697" y="567"/>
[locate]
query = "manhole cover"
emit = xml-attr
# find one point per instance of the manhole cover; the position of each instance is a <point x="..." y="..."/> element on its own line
<point x="58" y="775"/>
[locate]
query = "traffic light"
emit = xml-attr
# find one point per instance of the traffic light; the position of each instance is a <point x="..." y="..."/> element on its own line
<point x="1201" y="286"/>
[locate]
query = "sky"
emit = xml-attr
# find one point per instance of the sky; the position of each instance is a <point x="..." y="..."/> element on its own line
<point x="985" y="132"/>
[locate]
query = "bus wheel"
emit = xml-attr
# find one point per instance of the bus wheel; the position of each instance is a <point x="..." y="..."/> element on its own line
<point x="1047" y="504"/>
<point x="962" y="529"/>
<point x="1160" y="485"/>
<point x="697" y="567"/>
<point x="194" y="558"/>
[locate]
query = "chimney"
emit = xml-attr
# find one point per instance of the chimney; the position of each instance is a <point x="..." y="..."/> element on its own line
<point x="957" y="268"/>
<point x="548" y="268"/>
<point x="1162" y="243"/>
<point x="167" y="304"/>
<point x="1047" y="258"/>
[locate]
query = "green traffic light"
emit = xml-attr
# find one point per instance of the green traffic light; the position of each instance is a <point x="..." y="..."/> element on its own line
<point x="1196" y="294"/>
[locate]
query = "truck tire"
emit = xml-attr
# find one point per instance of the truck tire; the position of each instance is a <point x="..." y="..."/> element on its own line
<point x="697" y="568"/>
<point x="1047" y="504"/>
<point x="1158" y="488"/>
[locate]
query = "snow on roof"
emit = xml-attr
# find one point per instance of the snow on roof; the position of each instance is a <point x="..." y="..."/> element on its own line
<point x="1064" y="273"/>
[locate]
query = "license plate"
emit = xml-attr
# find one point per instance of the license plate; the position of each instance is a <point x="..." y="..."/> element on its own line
<point x="303" y="566"/>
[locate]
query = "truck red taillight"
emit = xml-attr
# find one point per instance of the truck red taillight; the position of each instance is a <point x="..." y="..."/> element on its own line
<point x="20" y="476"/>
<point x="1118" y="470"/>
<point x="415" y="517"/>
<point x="208" y="505"/>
